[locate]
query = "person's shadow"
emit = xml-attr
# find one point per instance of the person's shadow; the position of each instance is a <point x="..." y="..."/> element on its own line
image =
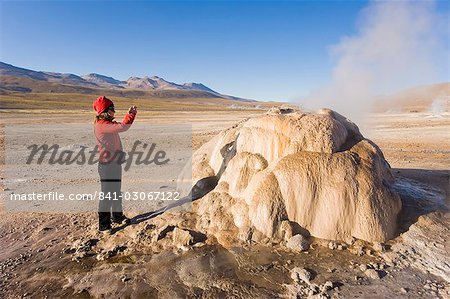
<point x="200" y="189"/>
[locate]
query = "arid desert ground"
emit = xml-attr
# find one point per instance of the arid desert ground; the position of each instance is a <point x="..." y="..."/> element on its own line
<point x="45" y="255"/>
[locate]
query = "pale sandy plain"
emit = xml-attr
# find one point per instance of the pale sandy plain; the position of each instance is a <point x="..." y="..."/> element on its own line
<point x="38" y="258"/>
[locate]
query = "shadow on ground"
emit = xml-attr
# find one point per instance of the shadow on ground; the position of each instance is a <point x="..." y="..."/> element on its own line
<point x="422" y="191"/>
<point x="200" y="189"/>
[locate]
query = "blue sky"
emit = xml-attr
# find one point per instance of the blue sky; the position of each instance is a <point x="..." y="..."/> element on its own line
<point x="261" y="50"/>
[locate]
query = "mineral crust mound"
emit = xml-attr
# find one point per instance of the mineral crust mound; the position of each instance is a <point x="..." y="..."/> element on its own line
<point x="288" y="172"/>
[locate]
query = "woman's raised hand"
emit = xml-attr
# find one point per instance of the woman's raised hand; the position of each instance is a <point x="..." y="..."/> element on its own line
<point x="132" y="110"/>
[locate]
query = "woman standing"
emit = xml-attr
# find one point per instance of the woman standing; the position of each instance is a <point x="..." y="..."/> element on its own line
<point x="107" y="131"/>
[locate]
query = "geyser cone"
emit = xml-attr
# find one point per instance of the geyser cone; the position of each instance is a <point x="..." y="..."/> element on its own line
<point x="314" y="171"/>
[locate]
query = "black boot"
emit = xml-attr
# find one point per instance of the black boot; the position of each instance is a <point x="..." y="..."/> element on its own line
<point x="104" y="221"/>
<point x="120" y="218"/>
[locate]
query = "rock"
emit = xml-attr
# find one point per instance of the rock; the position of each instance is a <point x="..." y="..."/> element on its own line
<point x="258" y="237"/>
<point x="327" y="286"/>
<point x="313" y="289"/>
<point x="413" y="249"/>
<point x="125" y="278"/>
<point x="350" y="241"/>
<point x="199" y="244"/>
<point x="372" y="273"/>
<point x="404" y="290"/>
<point x="107" y="254"/>
<point x="78" y="256"/>
<point x="80" y="248"/>
<point x="149" y="226"/>
<point x="67" y="250"/>
<point x="102" y="256"/>
<point x="332" y="245"/>
<point x="340" y="247"/>
<point x="299" y="274"/>
<point x="163" y="231"/>
<point x="182" y="237"/>
<point x="246" y="234"/>
<point x="298" y="243"/>
<point x="377" y="246"/>
<point x="283" y="167"/>
<point x="286" y="230"/>
<point x="363" y="268"/>
<point x="357" y="250"/>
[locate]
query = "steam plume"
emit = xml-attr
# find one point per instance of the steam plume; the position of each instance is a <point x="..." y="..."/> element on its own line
<point x="398" y="45"/>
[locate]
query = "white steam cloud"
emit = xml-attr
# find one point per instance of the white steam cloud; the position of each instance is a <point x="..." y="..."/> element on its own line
<point x="440" y="105"/>
<point x="398" y="45"/>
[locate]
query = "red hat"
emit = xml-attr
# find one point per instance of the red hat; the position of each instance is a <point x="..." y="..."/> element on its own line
<point x="101" y="104"/>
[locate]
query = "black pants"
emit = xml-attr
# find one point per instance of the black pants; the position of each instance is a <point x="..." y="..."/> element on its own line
<point x="111" y="183"/>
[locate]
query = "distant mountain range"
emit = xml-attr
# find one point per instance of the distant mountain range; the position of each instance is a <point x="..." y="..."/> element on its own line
<point x="17" y="79"/>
